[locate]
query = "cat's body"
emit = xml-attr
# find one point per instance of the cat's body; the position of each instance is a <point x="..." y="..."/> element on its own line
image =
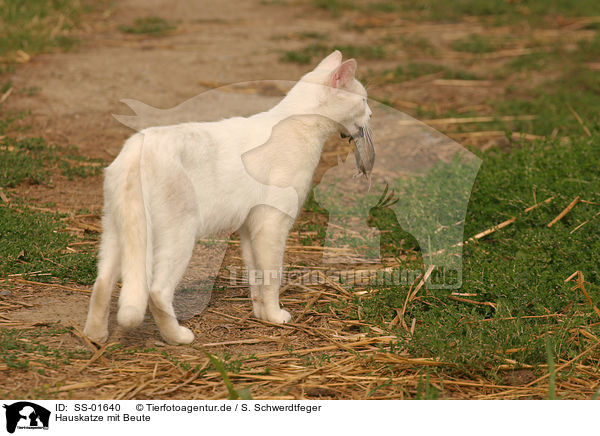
<point x="171" y="185"/>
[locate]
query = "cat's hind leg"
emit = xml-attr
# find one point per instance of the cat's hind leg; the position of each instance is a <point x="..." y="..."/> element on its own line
<point x="173" y="250"/>
<point x="96" y="326"/>
<point x="248" y="256"/>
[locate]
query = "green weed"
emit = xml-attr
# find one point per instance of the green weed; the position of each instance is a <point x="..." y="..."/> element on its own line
<point x="37" y="25"/>
<point x="242" y="394"/>
<point x="557" y="104"/>
<point x="37" y="241"/>
<point x="334" y="7"/>
<point x="22" y="349"/>
<point x="307" y="54"/>
<point x="33" y="240"/>
<point x="475" y="44"/>
<point x="154" y="26"/>
<point x="498" y="11"/>
<point x="414" y="70"/>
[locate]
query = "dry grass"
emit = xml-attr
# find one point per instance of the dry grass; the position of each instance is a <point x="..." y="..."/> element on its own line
<point x="321" y="355"/>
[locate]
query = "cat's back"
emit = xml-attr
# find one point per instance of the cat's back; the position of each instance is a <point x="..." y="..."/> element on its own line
<point x="214" y="146"/>
<point x="195" y="135"/>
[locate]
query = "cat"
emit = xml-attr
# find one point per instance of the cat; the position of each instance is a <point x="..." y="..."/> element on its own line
<point x="172" y="184"/>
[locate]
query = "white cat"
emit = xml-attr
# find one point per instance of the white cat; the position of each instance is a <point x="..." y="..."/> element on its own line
<point x="173" y="184"/>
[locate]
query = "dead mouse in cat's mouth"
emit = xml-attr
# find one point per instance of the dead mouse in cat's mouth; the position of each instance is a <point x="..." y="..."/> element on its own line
<point x="364" y="150"/>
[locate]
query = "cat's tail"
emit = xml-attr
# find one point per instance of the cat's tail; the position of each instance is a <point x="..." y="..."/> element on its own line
<point x="136" y="249"/>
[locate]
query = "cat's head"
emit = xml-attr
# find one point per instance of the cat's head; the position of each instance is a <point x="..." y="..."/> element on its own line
<point x="338" y="95"/>
<point x="331" y="90"/>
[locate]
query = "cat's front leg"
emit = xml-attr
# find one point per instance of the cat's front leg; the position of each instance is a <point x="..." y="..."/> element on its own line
<point x="248" y="256"/>
<point x="268" y="246"/>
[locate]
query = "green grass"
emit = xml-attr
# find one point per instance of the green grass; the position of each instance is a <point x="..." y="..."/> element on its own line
<point x="521" y="268"/>
<point x="297" y="57"/>
<point x="492" y="11"/>
<point x="475" y="44"/>
<point x="38" y="25"/>
<point x="533" y="62"/>
<point x="34" y="240"/>
<point x="554" y="103"/>
<point x="312" y="35"/>
<point x="334" y="7"/>
<point x="497" y="11"/>
<point x="31" y="159"/>
<point x="308" y="54"/>
<point x="572" y="87"/>
<point x="29" y="349"/>
<point x="415" y="44"/>
<point x="413" y="70"/>
<point x="154" y="26"/>
<point x="37" y="241"/>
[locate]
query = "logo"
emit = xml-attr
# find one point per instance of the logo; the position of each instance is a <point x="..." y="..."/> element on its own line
<point x="26" y="415"/>
<point x="420" y="184"/>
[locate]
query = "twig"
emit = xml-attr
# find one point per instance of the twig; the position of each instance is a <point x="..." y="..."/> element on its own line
<point x="583" y="223"/>
<point x="579" y="120"/>
<point x="312" y="301"/>
<point x="581" y="286"/>
<point x="295" y="282"/>
<point x="564" y="365"/>
<point x="85" y="385"/>
<point x="421" y="79"/>
<point x="193" y="377"/>
<point x="565" y="211"/>
<point x="492" y="229"/>
<point x="51" y="285"/>
<point x="453" y="82"/>
<point x="5" y="95"/>
<point x="535" y="206"/>
<point x="3" y="196"/>
<point x="482" y="119"/>
<point x="410" y="297"/>
<point x="99" y="352"/>
<point x="501" y="225"/>
<point x="333" y="284"/>
<point x="467" y="300"/>
<point x="241" y="341"/>
<point x="84" y="338"/>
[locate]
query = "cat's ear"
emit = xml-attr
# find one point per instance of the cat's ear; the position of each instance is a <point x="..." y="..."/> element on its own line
<point x="343" y="74"/>
<point x="331" y="61"/>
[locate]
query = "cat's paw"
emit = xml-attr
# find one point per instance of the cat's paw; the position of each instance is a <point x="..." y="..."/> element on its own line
<point x="182" y="336"/>
<point x="98" y="336"/>
<point x="279" y="317"/>
<point x="130" y="316"/>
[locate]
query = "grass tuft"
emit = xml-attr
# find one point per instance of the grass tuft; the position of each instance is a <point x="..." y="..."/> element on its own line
<point x="37" y="25"/>
<point x="308" y="53"/>
<point x="154" y="26"/>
